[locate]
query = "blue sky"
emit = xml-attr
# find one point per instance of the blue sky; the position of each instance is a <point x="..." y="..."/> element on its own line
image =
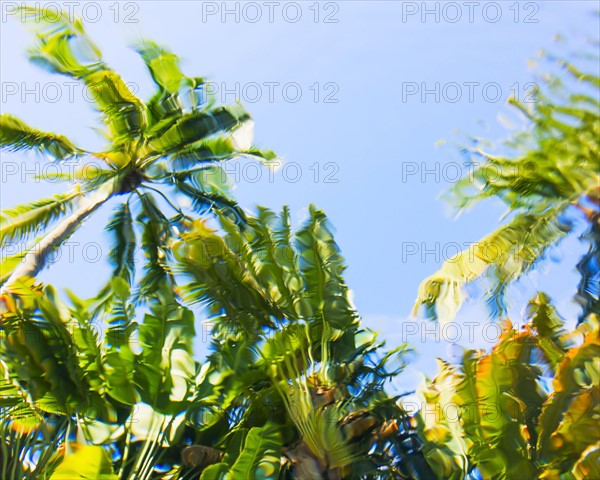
<point x="356" y="137"/>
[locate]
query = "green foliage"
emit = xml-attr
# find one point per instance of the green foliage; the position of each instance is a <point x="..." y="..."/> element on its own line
<point x="494" y="413"/>
<point x="90" y="463"/>
<point x="20" y="223"/>
<point x="287" y="345"/>
<point x="15" y="135"/>
<point x="63" y="47"/>
<point x="260" y="456"/>
<point x="29" y="443"/>
<point x="293" y="386"/>
<point x="58" y="365"/>
<point x="588" y="291"/>
<point x="123" y="251"/>
<point x="552" y="172"/>
<point x="157" y="149"/>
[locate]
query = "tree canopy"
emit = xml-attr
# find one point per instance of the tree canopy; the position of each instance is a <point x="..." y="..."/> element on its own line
<point x="294" y="386"/>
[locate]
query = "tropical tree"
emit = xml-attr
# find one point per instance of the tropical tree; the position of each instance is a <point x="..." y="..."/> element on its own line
<point x="549" y="176"/>
<point x="288" y="349"/>
<point x="293" y="388"/>
<point x="173" y="144"/>
<point x="528" y="408"/>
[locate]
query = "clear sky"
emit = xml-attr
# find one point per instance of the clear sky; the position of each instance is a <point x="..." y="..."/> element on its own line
<point x="353" y="95"/>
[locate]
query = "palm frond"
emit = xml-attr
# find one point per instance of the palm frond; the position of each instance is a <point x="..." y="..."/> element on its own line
<point x="171" y="82"/>
<point x="588" y="464"/>
<point x="322" y="267"/>
<point x="567" y="418"/>
<point x="29" y="443"/>
<point x="506" y="254"/>
<point x="162" y="64"/>
<point x="9" y="262"/>
<point x="227" y="288"/>
<point x="165" y="368"/>
<point x="554" y="163"/>
<point x="211" y="151"/>
<point x="121" y="316"/>
<point x="203" y="152"/>
<point x="63" y="47"/>
<point x="21" y="222"/>
<point x="260" y="454"/>
<point x="90" y="461"/>
<point x="156" y="236"/>
<point x="588" y="290"/>
<point x="38" y="346"/>
<point x="122" y="253"/>
<point x="496" y="412"/>
<point x="206" y="201"/>
<point x="168" y="137"/>
<point x="118" y="359"/>
<point x="16" y="135"/>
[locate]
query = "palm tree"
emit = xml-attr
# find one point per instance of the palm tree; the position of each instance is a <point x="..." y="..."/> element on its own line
<point x="293" y="388"/>
<point x="552" y="176"/>
<point x="527" y="408"/>
<point x="292" y="378"/>
<point x="171" y="144"/>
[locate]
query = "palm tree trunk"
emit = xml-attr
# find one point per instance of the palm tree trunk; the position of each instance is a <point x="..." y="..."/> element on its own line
<point x="36" y="258"/>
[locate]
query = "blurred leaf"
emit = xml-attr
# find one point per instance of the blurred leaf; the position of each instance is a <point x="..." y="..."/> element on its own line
<point x="88" y="462"/>
<point x="15" y="135"/>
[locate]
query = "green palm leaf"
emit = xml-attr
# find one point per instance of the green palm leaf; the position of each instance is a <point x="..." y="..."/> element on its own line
<point x="203" y="202"/>
<point x="169" y="137"/>
<point x="157" y="232"/>
<point x="63" y="47"/>
<point x="164" y="69"/>
<point x="9" y="263"/>
<point x="322" y="267"/>
<point x="213" y="150"/>
<point x="498" y="407"/>
<point x="40" y="337"/>
<point x="89" y="463"/>
<point x="505" y="255"/>
<point x="122" y="252"/>
<point x="165" y="368"/>
<point x="260" y="457"/>
<point x="163" y="66"/>
<point x="588" y="465"/>
<point x="16" y="135"/>
<point x="567" y="419"/>
<point x="227" y="287"/>
<point x="20" y="222"/>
